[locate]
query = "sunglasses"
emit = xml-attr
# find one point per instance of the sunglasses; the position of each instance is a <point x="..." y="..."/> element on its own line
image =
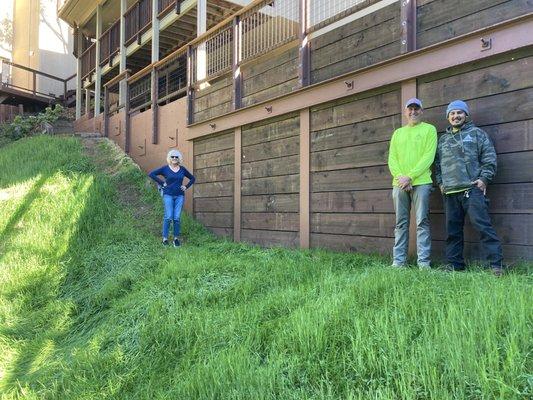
<point x="174" y="157"/>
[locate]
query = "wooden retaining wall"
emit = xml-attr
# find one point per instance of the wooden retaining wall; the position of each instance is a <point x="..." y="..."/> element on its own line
<point x="358" y="44"/>
<point x="270" y="182"/>
<point x="439" y="20"/>
<point x="351" y="206"/>
<point x="213" y="191"/>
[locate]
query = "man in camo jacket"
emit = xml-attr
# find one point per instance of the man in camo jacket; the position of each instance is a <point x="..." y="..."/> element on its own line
<point x="465" y="164"/>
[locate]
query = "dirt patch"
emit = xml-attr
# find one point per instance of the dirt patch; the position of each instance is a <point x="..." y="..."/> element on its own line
<point x="129" y="195"/>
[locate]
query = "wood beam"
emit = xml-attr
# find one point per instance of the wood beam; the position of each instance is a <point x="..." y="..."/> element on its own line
<point x="237" y="185"/>
<point x="304" y="178"/>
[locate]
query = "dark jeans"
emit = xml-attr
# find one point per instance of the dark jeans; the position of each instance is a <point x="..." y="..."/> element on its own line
<point x="473" y="203"/>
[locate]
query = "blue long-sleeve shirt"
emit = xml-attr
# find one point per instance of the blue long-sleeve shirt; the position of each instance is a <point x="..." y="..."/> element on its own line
<point x="173" y="180"/>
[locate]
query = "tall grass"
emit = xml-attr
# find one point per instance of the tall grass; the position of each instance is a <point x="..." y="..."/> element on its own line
<point x="92" y="307"/>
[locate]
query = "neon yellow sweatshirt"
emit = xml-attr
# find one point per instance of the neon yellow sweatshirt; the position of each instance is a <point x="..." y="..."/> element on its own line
<point x="411" y="153"/>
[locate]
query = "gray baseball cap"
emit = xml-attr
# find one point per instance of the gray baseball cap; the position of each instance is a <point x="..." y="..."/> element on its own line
<point x="413" y="101"/>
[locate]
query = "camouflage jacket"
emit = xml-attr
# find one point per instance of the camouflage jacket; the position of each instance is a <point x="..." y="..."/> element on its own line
<point x="464" y="156"/>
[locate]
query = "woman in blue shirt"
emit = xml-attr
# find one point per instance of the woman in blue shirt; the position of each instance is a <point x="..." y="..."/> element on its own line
<point x="173" y="191"/>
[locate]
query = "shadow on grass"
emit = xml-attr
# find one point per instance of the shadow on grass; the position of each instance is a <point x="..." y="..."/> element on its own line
<point x="22" y="209"/>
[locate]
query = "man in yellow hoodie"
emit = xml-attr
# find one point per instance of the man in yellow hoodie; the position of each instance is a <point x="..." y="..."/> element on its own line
<point x="411" y="153"/>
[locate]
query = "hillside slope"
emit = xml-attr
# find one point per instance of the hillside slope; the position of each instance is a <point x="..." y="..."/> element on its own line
<point x="93" y="307"/>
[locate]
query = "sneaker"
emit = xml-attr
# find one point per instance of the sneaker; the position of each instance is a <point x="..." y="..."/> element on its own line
<point x="165" y="242"/>
<point x="398" y="266"/>
<point x="176" y="242"/>
<point x="424" y="267"/>
<point x="497" y="271"/>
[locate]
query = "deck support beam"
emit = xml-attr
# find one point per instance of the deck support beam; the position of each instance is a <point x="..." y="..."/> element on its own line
<point x="79" y="83"/>
<point x="154" y="77"/>
<point x="304" y="53"/>
<point x="408" y="21"/>
<point x="98" y="71"/>
<point x="122" y="51"/>
<point x="237" y="57"/>
<point x="304" y="178"/>
<point x="237" y="185"/>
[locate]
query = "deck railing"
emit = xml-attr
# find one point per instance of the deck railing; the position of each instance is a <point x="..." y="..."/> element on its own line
<point x="267" y="26"/>
<point x="88" y="61"/>
<point x="165" y="6"/>
<point x="138" y="18"/>
<point x="254" y="31"/>
<point x="110" y="43"/>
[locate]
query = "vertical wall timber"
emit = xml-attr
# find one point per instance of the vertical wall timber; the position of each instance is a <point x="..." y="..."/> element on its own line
<point x="98" y="70"/>
<point x="237" y="186"/>
<point x="304" y="178"/>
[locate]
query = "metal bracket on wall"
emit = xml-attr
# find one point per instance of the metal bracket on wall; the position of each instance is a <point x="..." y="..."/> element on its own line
<point x="349" y="85"/>
<point x="486" y="44"/>
<point x="173" y="140"/>
<point x="142" y="149"/>
<point x="268" y="109"/>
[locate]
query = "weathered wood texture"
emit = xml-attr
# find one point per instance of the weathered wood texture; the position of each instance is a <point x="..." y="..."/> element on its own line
<point x="439" y="20"/>
<point x="270" y="76"/>
<point x="351" y="205"/>
<point x="270" y="182"/>
<point x="213" y="190"/>
<point x="358" y="44"/>
<point x="213" y="100"/>
<point x="499" y="93"/>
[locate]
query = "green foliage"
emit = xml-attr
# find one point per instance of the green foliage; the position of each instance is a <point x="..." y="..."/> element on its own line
<point x="93" y="307"/>
<point x="31" y="125"/>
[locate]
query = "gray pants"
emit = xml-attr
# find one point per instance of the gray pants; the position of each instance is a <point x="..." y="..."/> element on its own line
<point x="419" y="197"/>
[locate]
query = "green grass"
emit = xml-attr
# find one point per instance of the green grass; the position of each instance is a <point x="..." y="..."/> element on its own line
<point x="92" y="307"/>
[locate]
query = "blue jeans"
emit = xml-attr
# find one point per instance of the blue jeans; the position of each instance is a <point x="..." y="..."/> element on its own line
<point x="419" y="197"/>
<point x="474" y="203"/>
<point x="173" y="206"/>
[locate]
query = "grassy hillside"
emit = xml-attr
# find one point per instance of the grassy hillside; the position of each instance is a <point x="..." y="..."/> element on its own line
<point x="92" y="307"/>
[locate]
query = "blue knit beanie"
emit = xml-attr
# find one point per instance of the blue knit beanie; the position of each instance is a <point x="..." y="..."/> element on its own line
<point x="457" y="105"/>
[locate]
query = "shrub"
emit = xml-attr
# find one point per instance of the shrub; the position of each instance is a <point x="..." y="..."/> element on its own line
<point x="30" y="125"/>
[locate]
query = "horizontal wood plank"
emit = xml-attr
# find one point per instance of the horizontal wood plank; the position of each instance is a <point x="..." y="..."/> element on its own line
<point x="270" y="130"/>
<point x="356" y="111"/>
<point x="359" y="244"/>
<point x="365" y="155"/>
<point x="367" y="178"/>
<point x="276" y="148"/>
<point x="271" y="203"/>
<point x="271" y="185"/>
<point x="215" y="219"/>
<point x="495" y="79"/>
<point x="213" y="204"/>
<point x="376" y="130"/>
<point x="219" y="158"/>
<point x="276" y="221"/>
<point x="353" y="224"/>
<point x="213" y="189"/>
<point x="369" y="201"/>
<point x="271" y="238"/>
<point x="271" y="167"/>
<point x="211" y="144"/>
<point x="215" y="174"/>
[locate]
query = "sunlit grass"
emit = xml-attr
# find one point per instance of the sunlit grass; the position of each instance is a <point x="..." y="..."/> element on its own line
<point x="92" y="307"/>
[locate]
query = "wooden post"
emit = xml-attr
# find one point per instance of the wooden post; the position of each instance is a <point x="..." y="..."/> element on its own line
<point x="237" y="186"/>
<point x="178" y="6"/>
<point x="304" y="55"/>
<point x="304" y="179"/>
<point x="237" y="77"/>
<point x="408" y="21"/>
<point x="155" y="106"/>
<point x="190" y="92"/>
<point x="34" y="87"/>
<point x="21" y="110"/>
<point x="106" y="111"/>
<point x="127" y="126"/>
